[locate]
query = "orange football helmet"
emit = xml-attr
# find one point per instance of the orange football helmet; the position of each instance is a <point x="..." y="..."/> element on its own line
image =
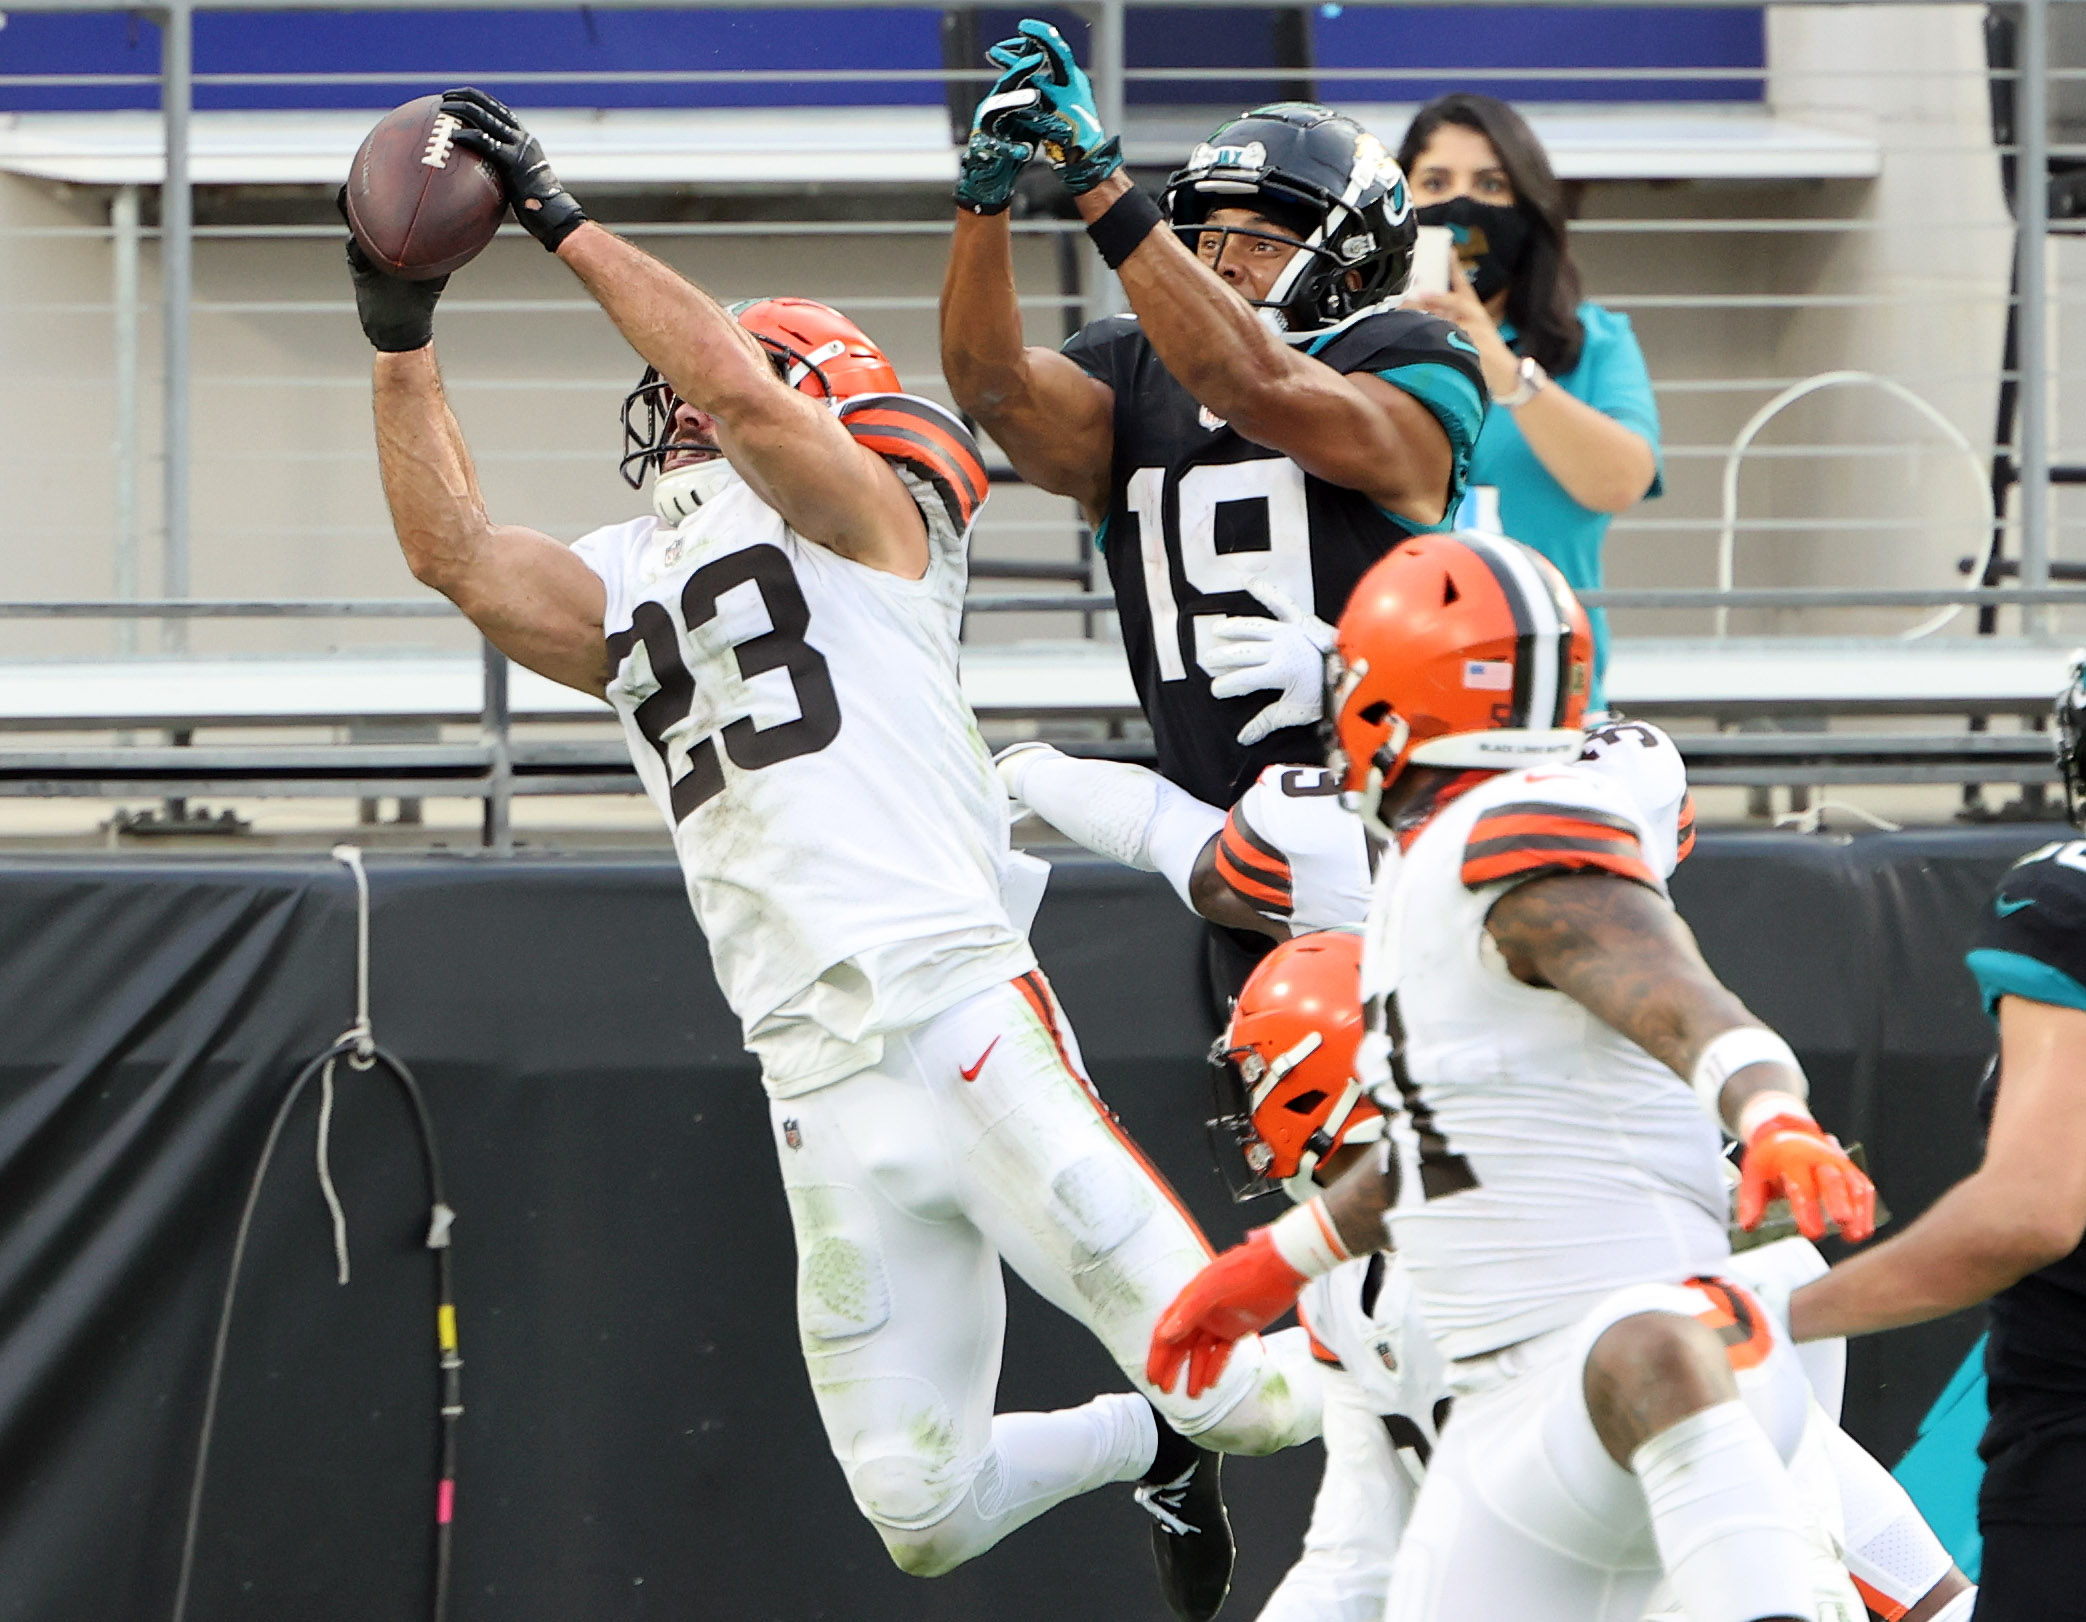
<point x="1287" y="1094"/>
<point x="817" y="349"/>
<point x="1461" y="650"/>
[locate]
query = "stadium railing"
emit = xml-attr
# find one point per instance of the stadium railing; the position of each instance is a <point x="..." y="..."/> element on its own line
<point x="1721" y="682"/>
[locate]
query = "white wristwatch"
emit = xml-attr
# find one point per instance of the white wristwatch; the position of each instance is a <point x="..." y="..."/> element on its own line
<point x="1533" y="381"/>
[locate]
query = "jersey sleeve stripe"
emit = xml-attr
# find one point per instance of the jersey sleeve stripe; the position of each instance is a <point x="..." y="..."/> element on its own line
<point x="1536" y="861"/>
<point x="1263" y="896"/>
<point x="1686" y="829"/>
<point x="921" y="425"/>
<point x="1239" y="828"/>
<point x="1565" y="813"/>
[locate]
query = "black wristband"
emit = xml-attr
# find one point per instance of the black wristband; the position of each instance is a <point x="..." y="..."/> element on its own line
<point x="1122" y="230"/>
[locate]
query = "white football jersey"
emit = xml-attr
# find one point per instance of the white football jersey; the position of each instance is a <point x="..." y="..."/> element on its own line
<point x="1546" y="1160"/>
<point x="1365" y="1315"/>
<point x="796" y="717"/>
<point x="1293" y="853"/>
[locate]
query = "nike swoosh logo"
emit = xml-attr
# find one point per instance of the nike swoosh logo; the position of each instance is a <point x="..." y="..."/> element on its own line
<point x="970" y="1073"/>
<point x="1458" y="341"/>
<point x="2006" y="908"/>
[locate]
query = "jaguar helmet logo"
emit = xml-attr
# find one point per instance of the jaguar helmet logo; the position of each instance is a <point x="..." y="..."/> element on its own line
<point x="1253" y="155"/>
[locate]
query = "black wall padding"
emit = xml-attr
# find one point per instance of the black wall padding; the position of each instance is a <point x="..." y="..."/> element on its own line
<point x="639" y="1441"/>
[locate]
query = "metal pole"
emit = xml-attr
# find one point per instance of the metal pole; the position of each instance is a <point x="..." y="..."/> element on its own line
<point x="2032" y="191"/>
<point x="176" y="275"/>
<point x="1105" y="69"/>
<point x="123" y="247"/>
<point x="497" y="723"/>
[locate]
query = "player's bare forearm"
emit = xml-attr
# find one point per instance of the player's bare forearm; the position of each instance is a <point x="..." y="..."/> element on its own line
<point x="1621" y="952"/>
<point x="1971" y="1243"/>
<point x="2022" y="1209"/>
<point x="712" y="362"/>
<point x="791" y="449"/>
<point x="1357" y="1203"/>
<point x="1357" y="432"/>
<point x="536" y="602"/>
<point x="1055" y="422"/>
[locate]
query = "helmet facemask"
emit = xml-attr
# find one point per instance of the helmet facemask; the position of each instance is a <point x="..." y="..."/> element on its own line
<point x="2068" y="728"/>
<point x="649" y="413"/>
<point x="1337" y="196"/>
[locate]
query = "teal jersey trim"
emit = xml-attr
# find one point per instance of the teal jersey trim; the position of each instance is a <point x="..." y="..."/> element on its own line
<point x="1942" y="1471"/>
<point x="2013" y="974"/>
<point x="1460" y="409"/>
<point x="1101" y="534"/>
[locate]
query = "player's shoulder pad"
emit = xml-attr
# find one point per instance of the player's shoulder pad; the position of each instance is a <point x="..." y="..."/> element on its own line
<point x="1645" y="759"/>
<point x="926" y="440"/>
<point x="1554" y="819"/>
<point x="2031" y="936"/>
<point x="1386" y="339"/>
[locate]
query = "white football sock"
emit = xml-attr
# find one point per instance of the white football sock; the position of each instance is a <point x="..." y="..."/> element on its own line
<point x="1726" y="1518"/>
<point x="1035" y="1462"/>
<point x="1124" y="812"/>
<point x="1889" y="1547"/>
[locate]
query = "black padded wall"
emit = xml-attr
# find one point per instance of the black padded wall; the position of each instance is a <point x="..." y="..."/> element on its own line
<point x="639" y="1441"/>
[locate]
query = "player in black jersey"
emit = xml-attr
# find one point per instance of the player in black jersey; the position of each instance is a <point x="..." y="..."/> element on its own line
<point x="1264" y="426"/>
<point x="2011" y="1232"/>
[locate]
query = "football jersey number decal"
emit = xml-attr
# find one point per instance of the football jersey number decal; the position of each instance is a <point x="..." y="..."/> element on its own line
<point x="781" y="648"/>
<point x="1263" y="496"/>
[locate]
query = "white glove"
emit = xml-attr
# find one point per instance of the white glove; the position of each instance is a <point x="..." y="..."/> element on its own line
<point x="1286" y="654"/>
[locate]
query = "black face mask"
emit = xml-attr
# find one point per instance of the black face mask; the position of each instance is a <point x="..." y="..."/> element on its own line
<point x="1491" y="239"/>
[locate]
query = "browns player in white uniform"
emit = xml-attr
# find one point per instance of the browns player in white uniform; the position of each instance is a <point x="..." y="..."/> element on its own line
<point x="1289" y="859"/>
<point x="1555" y="1191"/>
<point x="780" y="642"/>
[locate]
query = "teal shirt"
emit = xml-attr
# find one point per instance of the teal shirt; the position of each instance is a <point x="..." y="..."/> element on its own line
<point x="1533" y="507"/>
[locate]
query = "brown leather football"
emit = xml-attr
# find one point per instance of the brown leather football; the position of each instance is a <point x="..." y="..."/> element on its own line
<point x="420" y="205"/>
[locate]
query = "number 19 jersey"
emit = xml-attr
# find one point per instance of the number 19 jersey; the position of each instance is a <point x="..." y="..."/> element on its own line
<point x="1195" y="510"/>
<point x="797" y="719"/>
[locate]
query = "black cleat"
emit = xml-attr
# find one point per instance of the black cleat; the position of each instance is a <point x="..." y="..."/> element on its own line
<point x="1191" y="1533"/>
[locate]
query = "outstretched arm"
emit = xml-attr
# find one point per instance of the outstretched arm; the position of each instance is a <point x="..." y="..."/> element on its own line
<point x="790" y="448"/>
<point x="1356" y="431"/>
<point x="537" y="602"/>
<point x="1620" y="951"/>
<point x="1055" y="422"/>
<point x="2022" y="1209"/>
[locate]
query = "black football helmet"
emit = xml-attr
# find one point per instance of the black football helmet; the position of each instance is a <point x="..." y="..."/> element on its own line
<point x="2068" y="732"/>
<point x="1323" y="176"/>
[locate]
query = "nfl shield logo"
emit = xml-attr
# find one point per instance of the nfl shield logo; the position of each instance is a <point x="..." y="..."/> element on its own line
<point x="792" y="1134"/>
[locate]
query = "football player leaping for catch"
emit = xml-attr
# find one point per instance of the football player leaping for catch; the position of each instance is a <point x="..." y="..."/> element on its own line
<point x="1263" y="427"/>
<point x="1555" y="1192"/>
<point x="780" y="642"/>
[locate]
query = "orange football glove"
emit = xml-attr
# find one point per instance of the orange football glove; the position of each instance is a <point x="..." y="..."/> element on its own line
<point x="1795" y="1157"/>
<point x="1238" y="1294"/>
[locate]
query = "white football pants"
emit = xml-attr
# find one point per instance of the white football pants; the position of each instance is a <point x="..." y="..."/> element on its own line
<point x="1523" y="1515"/>
<point x="978" y="1139"/>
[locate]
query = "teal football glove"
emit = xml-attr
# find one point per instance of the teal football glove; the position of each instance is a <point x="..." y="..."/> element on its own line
<point x="1064" y="123"/>
<point x="994" y="156"/>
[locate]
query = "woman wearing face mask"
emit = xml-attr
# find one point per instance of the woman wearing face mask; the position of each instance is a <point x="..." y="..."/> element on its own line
<point x="1577" y="440"/>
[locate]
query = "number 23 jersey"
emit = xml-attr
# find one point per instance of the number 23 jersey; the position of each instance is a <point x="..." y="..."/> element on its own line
<point x="797" y="719"/>
<point x="1195" y="510"/>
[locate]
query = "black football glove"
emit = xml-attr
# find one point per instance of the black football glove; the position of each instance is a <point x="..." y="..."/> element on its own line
<point x="548" y="211"/>
<point x="397" y="315"/>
